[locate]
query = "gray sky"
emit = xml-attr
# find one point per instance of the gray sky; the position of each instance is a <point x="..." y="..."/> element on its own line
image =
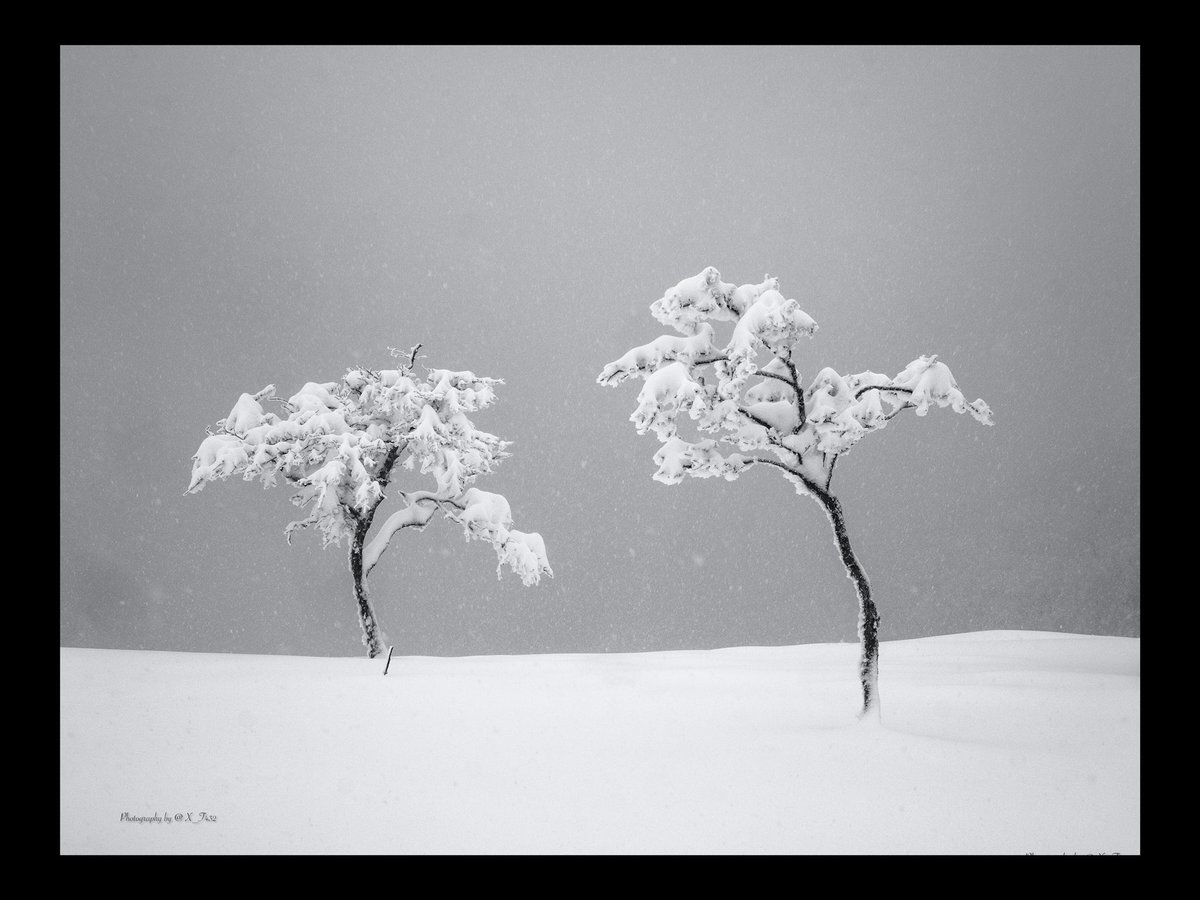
<point x="233" y="217"/>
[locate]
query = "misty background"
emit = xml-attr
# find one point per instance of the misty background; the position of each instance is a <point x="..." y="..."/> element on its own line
<point x="238" y="216"/>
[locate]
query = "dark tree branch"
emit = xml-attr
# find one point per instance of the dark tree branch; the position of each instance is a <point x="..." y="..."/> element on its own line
<point x="772" y="431"/>
<point x="756" y="419"/>
<point x="794" y="383"/>
<point x="887" y="418"/>
<point x="415" y="497"/>
<point x="816" y="490"/>
<point x="777" y="377"/>
<point x="792" y="369"/>
<point x="720" y="357"/>
<point x="899" y="410"/>
<point x="803" y="417"/>
<point x="775" y="463"/>
<point x="887" y="389"/>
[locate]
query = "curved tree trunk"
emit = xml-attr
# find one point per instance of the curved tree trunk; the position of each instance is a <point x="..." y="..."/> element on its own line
<point x="372" y="635"/>
<point x="868" y="616"/>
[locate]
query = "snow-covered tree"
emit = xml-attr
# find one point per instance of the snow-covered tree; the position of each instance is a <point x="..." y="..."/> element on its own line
<point x="765" y="411"/>
<point x="339" y="444"/>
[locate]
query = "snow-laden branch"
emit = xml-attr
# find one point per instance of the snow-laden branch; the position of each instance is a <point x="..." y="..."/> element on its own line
<point x="691" y="351"/>
<point x="927" y="382"/>
<point x="486" y="516"/>
<point x="483" y="515"/>
<point x="414" y="516"/>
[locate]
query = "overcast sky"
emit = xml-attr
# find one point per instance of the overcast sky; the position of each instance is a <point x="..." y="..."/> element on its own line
<point x="234" y="217"/>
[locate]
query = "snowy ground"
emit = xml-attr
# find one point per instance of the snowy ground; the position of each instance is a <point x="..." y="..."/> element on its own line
<point x="993" y="742"/>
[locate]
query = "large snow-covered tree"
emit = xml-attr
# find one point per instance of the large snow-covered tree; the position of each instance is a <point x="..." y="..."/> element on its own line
<point x="339" y="445"/>
<point x="767" y="412"/>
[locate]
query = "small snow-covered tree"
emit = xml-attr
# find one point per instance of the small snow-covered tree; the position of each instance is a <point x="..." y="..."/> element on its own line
<point x="766" y="412"/>
<point x="339" y="443"/>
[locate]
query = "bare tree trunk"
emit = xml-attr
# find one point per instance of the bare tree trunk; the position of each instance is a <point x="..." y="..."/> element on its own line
<point x="366" y="613"/>
<point x="372" y="633"/>
<point x="868" y="616"/>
